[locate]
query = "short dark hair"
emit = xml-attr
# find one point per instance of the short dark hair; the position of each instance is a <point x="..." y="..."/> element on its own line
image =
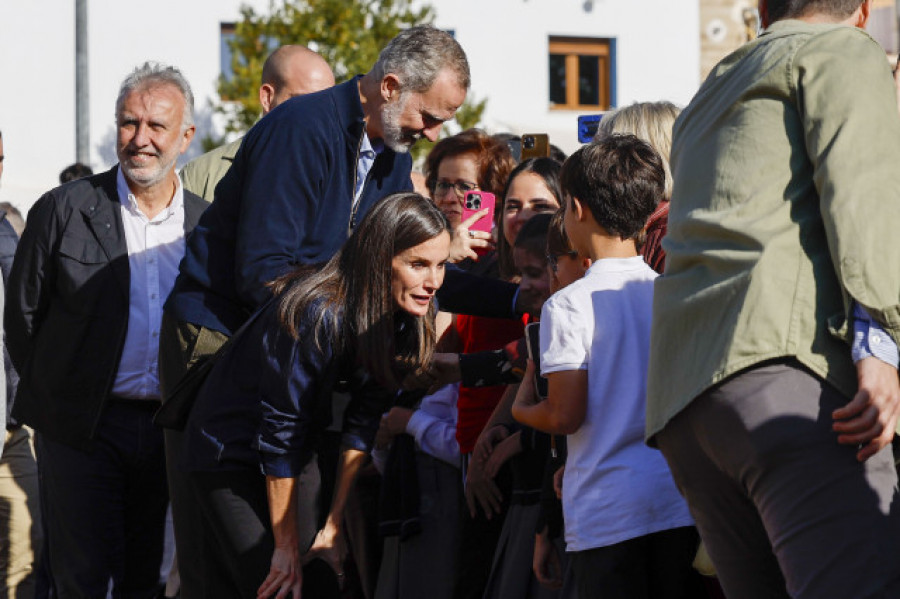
<point x="532" y="236"/>
<point x="620" y="179"/>
<point x="75" y="171"/>
<point x="557" y="239"/>
<point x="789" y="9"/>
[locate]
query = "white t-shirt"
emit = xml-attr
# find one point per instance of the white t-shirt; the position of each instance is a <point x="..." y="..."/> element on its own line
<point x="615" y="487"/>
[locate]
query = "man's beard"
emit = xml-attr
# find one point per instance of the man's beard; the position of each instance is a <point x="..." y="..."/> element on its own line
<point x="151" y="178"/>
<point x="392" y="132"/>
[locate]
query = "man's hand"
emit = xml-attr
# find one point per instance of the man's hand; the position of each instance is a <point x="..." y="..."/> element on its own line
<point x="546" y="564"/>
<point x="465" y="240"/>
<point x="482" y="491"/>
<point x="393" y="423"/>
<point x="869" y="420"/>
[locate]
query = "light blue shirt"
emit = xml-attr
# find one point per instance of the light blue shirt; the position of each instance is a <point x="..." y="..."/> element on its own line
<point x="155" y="248"/>
<point x="869" y="339"/>
<point x="367" y="154"/>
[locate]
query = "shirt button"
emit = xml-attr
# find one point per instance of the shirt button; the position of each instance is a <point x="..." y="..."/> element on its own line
<point x="152" y="296"/>
<point x="156" y="333"/>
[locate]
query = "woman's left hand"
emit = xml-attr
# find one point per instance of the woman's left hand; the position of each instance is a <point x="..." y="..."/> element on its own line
<point x="285" y="574"/>
<point x="329" y="547"/>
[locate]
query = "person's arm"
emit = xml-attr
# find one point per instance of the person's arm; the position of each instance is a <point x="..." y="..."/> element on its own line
<point x="329" y="544"/>
<point x="283" y="176"/>
<point x="498" y="427"/>
<point x="848" y="104"/>
<point x="546" y="563"/>
<point x="466" y="293"/>
<point x="433" y="425"/>
<point x="285" y="572"/>
<point x="564" y="410"/>
<point x="31" y="279"/>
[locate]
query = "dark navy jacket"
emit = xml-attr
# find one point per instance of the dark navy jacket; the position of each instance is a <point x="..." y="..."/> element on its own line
<point x="286" y="200"/>
<point x="67" y="306"/>
<point x="269" y="396"/>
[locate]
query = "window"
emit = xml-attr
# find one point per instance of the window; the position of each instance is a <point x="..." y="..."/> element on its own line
<point x="582" y="72"/>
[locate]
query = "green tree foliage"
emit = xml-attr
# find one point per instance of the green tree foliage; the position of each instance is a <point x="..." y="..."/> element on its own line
<point x="349" y="34"/>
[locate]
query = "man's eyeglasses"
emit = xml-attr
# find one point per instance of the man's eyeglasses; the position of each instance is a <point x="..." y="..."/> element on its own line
<point x="553" y="259"/>
<point x="460" y="187"/>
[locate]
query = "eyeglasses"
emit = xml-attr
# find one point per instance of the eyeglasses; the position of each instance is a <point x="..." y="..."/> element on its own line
<point x="553" y="259"/>
<point x="460" y="187"/>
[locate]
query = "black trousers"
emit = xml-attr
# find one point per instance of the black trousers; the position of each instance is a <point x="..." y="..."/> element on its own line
<point x="654" y="566"/>
<point x="235" y="523"/>
<point x="106" y="508"/>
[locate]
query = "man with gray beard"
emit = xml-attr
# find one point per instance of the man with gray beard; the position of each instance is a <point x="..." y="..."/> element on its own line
<point x="83" y="319"/>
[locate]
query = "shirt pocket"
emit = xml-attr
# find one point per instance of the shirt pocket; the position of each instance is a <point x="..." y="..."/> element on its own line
<point x="83" y="272"/>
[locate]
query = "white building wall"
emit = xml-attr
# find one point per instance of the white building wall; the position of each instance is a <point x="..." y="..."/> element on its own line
<point x="657" y="54"/>
<point x="506" y="40"/>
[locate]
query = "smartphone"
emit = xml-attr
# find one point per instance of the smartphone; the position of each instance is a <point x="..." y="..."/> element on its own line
<point x="533" y="335"/>
<point x="587" y="127"/>
<point x="476" y="201"/>
<point x="535" y="145"/>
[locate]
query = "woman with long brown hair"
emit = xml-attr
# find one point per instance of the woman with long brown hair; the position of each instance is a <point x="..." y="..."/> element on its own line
<point x="366" y="318"/>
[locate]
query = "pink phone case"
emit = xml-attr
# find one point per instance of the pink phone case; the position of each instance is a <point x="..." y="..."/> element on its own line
<point x="475" y="201"/>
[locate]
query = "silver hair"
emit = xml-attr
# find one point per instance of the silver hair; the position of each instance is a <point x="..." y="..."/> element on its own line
<point x="416" y="56"/>
<point x="152" y="73"/>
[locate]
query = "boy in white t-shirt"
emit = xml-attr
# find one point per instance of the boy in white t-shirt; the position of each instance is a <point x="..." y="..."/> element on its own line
<point x="628" y="530"/>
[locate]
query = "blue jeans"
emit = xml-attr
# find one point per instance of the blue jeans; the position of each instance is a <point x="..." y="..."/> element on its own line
<point x="106" y="507"/>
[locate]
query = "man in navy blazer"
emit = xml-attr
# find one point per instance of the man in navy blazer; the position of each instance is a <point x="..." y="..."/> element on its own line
<point x="86" y="290"/>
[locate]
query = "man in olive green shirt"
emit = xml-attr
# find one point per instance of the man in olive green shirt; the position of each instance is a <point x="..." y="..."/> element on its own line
<point x="782" y="229"/>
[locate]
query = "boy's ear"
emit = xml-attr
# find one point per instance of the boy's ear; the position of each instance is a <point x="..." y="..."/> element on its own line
<point x="578" y="208"/>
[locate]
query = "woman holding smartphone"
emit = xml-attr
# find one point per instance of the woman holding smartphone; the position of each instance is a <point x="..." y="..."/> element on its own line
<point x="365" y="318"/>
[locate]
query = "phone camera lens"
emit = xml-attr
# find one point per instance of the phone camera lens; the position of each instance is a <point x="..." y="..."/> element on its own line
<point x="528" y="142"/>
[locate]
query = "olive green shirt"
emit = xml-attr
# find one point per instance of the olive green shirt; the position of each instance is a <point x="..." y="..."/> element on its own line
<point x="203" y="173"/>
<point x="786" y="206"/>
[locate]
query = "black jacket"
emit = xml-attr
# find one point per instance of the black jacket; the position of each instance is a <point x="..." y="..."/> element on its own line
<point x="67" y="306"/>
